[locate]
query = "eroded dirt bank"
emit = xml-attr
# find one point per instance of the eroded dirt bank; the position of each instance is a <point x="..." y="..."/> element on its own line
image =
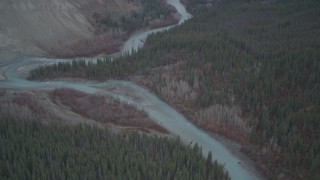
<point x="60" y="28"/>
<point x="46" y="27"/>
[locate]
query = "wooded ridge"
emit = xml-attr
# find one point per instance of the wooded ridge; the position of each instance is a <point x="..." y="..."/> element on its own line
<point x="246" y="69"/>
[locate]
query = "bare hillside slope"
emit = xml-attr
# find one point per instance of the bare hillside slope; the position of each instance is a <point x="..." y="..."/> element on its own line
<point x="52" y="27"/>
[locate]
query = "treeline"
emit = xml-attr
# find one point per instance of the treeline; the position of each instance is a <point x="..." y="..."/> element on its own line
<point x="149" y="11"/>
<point x="31" y="150"/>
<point x="102" y="69"/>
<point x="260" y="55"/>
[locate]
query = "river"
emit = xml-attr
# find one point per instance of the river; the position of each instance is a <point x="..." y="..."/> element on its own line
<point x="16" y="71"/>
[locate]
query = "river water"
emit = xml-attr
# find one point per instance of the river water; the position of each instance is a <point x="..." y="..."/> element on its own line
<point x="131" y="93"/>
<point x="137" y="40"/>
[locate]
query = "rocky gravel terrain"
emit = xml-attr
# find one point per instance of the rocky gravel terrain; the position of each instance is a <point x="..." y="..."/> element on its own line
<point x="54" y="28"/>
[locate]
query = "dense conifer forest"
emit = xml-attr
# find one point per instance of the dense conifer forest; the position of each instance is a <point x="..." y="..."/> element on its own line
<point x="32" y="150"/>
<point x="259" y="60"/>
<point x="149" y="13"/>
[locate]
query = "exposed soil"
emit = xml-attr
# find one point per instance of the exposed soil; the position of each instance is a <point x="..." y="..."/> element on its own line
<point x="60" y="28"/>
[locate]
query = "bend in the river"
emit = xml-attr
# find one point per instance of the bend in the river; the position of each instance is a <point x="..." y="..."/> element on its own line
<point x="137" y="40"/>
<point x="131" y="93"/>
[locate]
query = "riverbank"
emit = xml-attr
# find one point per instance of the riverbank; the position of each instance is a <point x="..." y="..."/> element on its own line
<point x="64" y="28"/>
<point x="157" y="110"/>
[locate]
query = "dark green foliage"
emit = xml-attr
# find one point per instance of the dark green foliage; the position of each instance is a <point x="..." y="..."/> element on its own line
<point x="266" y="53"/>
<point x="79" y="68"/>
<point x="151" y="10"/>
<point x="30" y="150"/>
